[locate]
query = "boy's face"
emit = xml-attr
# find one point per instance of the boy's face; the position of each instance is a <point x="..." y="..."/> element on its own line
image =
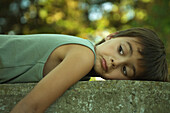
<point x="118" y="58"/>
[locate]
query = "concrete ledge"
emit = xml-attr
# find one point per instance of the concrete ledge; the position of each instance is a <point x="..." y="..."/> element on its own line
<point x="116" y="96"/>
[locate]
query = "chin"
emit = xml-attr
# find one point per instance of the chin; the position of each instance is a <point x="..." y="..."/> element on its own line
<point x="105" y="78"/>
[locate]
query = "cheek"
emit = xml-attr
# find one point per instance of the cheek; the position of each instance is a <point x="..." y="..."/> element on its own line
<point x="97" y="66"/>
<point x="115" y="75"/>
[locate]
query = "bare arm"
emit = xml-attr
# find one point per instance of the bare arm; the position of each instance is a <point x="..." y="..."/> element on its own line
<point x="74" y="66"/>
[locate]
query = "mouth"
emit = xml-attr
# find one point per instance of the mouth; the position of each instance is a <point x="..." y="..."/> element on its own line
<point x="104" y="64"/>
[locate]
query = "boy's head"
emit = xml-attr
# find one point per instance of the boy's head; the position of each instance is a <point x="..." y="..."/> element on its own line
<point x="119" y="58"/>
<point x="153" y="54"/>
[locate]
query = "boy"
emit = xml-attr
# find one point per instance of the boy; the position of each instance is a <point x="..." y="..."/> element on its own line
<point x="59" y="61"/>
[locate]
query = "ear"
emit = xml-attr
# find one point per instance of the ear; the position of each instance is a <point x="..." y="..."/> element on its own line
<point x="110" y="36"/>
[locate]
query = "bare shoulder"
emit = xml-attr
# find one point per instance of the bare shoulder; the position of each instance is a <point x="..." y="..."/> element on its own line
<point x="78" y="52"/>
<point x="81" y="56"/>
<point x="81" y="51"/>
<point x="74" y="51"/>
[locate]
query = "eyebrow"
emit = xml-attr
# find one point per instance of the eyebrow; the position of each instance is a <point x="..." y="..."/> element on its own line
<point x="131" y="52"/>
<point x="130" y="46"/>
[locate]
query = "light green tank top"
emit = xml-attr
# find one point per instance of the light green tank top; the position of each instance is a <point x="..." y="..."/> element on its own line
<point x="22" y="57"/>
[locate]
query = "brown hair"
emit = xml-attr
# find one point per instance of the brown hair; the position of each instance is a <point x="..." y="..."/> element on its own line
<point x="154" y="56"/>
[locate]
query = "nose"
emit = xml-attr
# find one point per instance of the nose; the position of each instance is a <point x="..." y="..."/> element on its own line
<point x="115" y="63"/>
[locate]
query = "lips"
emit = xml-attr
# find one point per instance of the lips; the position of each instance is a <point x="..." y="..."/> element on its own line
<point x="104" y="64"/>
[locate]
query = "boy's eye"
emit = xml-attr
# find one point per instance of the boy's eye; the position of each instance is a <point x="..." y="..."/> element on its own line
<point x="124" y="70"/>
<point x="121" y="50"/>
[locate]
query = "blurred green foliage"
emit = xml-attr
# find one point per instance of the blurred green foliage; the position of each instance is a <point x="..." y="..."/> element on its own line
<point x="92" y="19"/>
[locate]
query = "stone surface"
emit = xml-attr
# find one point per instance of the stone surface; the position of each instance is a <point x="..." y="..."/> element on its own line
<point x="119" y="96"/>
